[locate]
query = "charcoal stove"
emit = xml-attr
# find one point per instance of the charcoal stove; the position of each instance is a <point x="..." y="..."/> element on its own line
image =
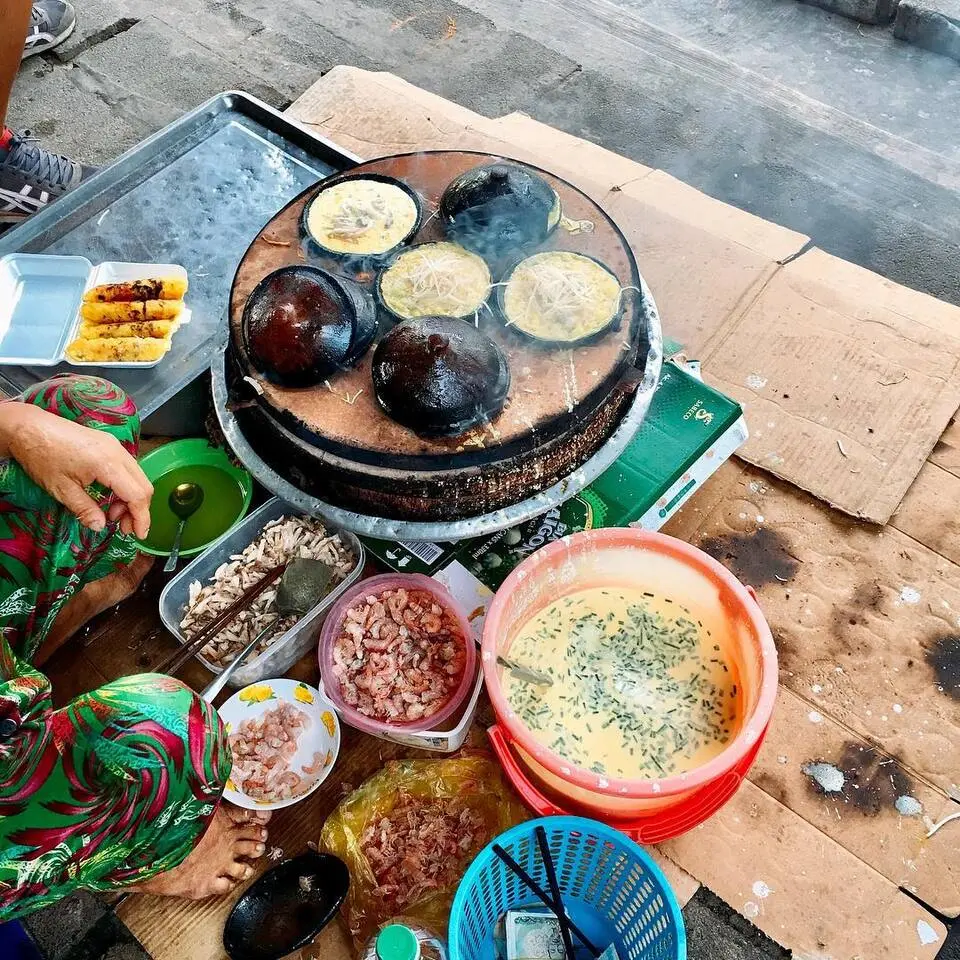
<point x="332" y="451"/>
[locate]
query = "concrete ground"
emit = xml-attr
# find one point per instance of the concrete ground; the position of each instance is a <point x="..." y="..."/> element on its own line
<point x="832" y="128"/>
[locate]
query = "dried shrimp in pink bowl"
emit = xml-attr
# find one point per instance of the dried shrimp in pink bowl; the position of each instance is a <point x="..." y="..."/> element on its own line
<point x="397" y="651"/>
<point x="284" y="737"/>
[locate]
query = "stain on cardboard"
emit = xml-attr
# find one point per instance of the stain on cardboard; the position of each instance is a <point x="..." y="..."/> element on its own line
<point x="770" y="785"/>
<point x="944" y="660"/>
<point x="756" y="558"/>
<point x="789" y="651"/>
<point x="872" y="780"/>
<point x="865" y="599"/>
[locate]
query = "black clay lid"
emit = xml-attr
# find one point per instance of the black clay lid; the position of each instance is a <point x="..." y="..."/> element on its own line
<point x="439" y="376"/>
<point x="298" y="326"/>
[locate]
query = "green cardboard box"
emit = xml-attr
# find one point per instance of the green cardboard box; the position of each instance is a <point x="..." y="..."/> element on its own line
<point x="688" y="432"/>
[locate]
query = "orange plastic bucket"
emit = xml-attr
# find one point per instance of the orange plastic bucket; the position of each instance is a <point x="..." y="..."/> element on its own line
<point x="648" y="809"/>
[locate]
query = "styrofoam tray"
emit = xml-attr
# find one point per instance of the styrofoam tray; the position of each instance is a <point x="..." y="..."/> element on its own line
<point x="40" y="298"/>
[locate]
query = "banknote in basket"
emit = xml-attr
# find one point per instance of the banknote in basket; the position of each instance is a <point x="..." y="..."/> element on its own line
<point x="533" y="935"/>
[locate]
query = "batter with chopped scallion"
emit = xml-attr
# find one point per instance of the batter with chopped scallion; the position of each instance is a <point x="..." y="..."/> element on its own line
<point x="640" y="688"/>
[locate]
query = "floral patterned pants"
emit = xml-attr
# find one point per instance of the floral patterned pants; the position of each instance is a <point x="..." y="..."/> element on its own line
<point x="121" y="784"/>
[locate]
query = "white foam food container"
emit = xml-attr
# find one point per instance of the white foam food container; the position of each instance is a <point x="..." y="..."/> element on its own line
<point x="40" y="299"/>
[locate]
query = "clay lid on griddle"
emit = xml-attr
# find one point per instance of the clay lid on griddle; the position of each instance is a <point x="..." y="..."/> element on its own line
<point x="553" y="391"/>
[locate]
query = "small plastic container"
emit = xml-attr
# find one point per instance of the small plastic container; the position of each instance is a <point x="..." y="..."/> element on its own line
<point x="192" y="452"/>
<point x="455" y="729"/>
<point x="292" y="645"/>
<point x="375" y="586"/>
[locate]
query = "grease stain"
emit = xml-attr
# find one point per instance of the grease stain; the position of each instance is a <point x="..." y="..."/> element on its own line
<point x="872" y="781"/>
<point x="757" y="558"/>
<point x="944" y="659"/>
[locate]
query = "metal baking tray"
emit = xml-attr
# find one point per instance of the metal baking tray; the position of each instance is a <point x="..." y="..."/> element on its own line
<point x="195" y="193"/>
<point x="287" y="649"/>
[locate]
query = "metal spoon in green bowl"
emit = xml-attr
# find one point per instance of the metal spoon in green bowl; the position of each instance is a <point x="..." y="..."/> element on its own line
<point x="184" y="501"/>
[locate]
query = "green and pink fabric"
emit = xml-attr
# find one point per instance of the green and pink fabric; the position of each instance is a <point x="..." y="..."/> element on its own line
<point x="119" y="785"/>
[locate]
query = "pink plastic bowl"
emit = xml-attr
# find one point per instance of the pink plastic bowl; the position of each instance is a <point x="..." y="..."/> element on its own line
<point x="374" y="587"/>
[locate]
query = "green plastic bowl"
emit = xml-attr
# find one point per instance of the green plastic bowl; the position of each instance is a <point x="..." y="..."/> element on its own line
<point x="227" y="490"/>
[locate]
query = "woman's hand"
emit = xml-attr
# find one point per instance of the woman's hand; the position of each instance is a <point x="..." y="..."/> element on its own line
<point x="65" y="458"/>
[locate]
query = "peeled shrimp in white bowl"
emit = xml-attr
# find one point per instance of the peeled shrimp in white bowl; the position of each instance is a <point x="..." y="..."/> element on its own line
<point x="284" y="736"/>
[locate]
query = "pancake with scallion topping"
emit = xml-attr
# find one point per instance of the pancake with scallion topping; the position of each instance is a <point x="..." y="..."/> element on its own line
<point x="435" y="280"/>
<point x="561" y="297"/>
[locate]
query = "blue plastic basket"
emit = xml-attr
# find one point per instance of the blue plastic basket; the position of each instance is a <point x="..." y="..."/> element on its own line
<point x="612" y="890"/>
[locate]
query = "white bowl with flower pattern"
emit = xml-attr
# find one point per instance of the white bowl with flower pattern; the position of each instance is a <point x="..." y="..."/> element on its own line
<point x="321" y="736"/>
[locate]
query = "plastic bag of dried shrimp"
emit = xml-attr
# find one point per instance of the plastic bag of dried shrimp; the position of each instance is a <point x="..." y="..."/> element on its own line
<point x="409" y="833"/>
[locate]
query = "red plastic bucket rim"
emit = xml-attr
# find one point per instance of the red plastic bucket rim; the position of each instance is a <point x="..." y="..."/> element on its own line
<point x="733" y="753"/>
<point x="655" y="826"/>
<point x="331" y="629"/>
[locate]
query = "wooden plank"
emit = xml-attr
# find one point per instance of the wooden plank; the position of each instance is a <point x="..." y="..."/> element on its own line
<point x="131" y="638"/>
<point x="70" y="673"/>
<point x="802" y="888"/>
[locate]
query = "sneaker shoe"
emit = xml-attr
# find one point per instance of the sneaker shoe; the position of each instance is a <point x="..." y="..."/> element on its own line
<point x="51" y="22"/>
<point x="30" y="177"/>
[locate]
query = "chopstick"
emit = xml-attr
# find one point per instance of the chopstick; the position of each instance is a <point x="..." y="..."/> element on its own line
<point x="561" y="911"/>
<point x="547" y="901"/>
<point x="193" y="646"/>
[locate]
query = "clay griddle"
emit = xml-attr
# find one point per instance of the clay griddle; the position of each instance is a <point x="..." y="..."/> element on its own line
<point x="554" y="393"/>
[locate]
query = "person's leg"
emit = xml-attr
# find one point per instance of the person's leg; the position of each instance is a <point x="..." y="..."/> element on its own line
<point x="120" y="790"/>
<point x="30" y="177"/>
<point x="90" y="601"/>
<point x="47" y="557"/>
<point x="14" y="21"/>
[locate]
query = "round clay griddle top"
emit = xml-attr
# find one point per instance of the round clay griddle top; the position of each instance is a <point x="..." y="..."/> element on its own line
<point x="551" y="388"/>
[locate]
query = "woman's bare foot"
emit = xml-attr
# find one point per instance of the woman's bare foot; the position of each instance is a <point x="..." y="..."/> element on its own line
<point x="92" y="600"/>
<point x="221" y="859"/>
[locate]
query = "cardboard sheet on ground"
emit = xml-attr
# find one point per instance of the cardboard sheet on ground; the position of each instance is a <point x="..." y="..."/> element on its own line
<point x="861" y="360"/>
<point x="804" y="865"/>
<point x="847" y="381"/>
